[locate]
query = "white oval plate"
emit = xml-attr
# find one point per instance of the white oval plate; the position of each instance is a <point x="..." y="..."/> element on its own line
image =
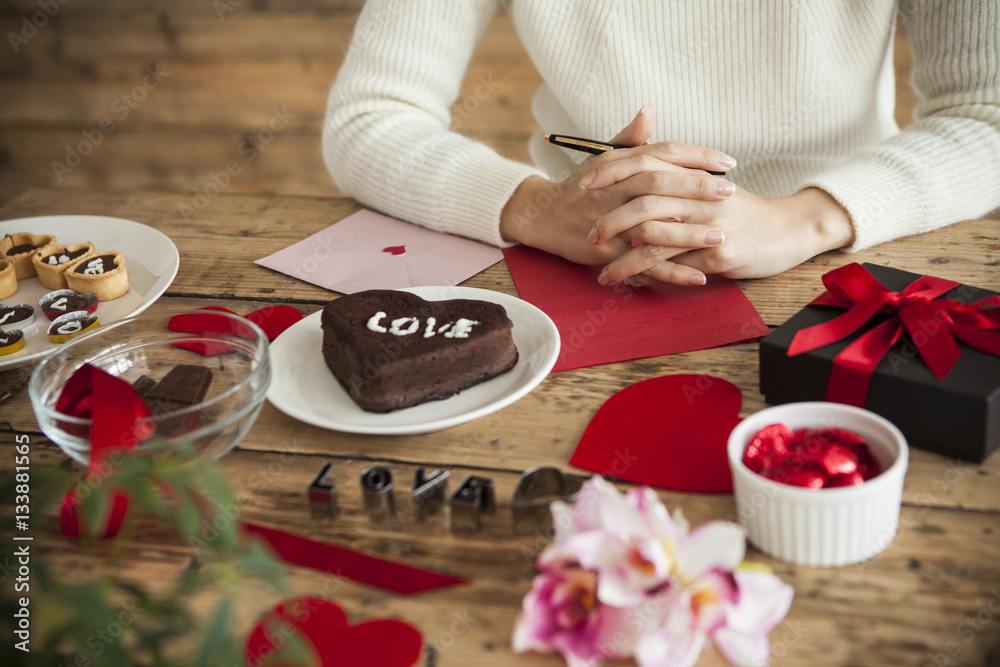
<point x="304" y="388"/>
<point x="151" y="260"/>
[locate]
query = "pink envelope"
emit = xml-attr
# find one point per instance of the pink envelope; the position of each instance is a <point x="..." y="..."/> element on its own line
<point x="367" y="250"/>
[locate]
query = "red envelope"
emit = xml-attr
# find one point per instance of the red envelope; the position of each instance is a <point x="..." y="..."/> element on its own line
<point x="603" y="325"/>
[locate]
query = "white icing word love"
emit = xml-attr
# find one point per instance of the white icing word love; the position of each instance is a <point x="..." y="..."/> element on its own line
<point x="59" y="304"/>
<point x="94" y="267"/>
<point x="404" y="326"/>
<point x="54" y="261"/>
<point x="6" y="316"/>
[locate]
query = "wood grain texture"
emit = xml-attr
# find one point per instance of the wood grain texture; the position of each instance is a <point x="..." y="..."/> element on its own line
<point x="931" y="598"/>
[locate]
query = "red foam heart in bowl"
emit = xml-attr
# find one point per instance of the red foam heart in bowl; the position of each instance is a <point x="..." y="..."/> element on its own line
<point x="668" y="432"/>
<point x="323" y="627"/>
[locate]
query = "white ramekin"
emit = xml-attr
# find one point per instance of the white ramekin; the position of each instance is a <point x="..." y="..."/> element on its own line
<point x="824" y="527"/>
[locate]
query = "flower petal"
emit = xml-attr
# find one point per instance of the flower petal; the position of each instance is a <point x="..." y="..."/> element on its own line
<point x="713" y="545"/>
<point x="742" y="650"/>
<point x="764" y="601"/>
<point x="669" y="650"/>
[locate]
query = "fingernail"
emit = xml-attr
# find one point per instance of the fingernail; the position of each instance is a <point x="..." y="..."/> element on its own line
<point x="643" y="110"/>
<point x="593" y="236"/>
<point x="587" y="180"/>
<point x="714" y="237"/>
<point x="696" y="279"/>
<point x="726" y="161"/>
<point x="604" y="278"/>
<point x="724" y="188"/>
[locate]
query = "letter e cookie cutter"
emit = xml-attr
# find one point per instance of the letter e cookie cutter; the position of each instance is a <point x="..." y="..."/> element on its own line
<point x="534" y="493"/>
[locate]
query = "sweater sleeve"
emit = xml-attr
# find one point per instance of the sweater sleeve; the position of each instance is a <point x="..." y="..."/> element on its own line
<point x="386" y="137"/>
<point x="945" y="166"/>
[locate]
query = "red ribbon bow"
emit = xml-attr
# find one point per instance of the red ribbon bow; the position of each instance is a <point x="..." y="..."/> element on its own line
<point x="932" y="323"/>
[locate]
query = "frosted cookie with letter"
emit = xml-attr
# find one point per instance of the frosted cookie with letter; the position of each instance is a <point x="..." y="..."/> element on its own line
<point x="103" y="274"/>
<point x="72" y="324"/>
<point x="19" y="248"/>
<point x="20" y="316"/>
<point x="11" y="341"/>
<point x="52" y="261"/>
<point x="60" y="302"/>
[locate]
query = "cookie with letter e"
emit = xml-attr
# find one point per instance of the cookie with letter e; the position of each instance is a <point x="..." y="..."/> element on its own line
<point x="103" y="274"/>
<point x="392" y="349"/>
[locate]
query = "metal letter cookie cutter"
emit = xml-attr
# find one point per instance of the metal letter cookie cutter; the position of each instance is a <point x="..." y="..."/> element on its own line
<point x="534" y="493"/>
<point x="427" y="496"/>
<point x="376" y="490"/>
<point x="470" y="501"/>
<point x="323" y="494"/>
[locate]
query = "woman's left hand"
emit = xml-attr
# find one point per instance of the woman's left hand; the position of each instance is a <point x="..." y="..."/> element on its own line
<point x="763" y="235"/>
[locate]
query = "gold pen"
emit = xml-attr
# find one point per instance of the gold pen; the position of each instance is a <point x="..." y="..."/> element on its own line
<point x="594" y="147"/>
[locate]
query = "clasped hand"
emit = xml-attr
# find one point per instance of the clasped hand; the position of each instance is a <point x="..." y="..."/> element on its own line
<point x="652" y="213"/>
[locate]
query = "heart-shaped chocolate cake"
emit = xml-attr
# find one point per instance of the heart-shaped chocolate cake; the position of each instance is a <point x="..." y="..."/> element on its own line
<point x="393" y="350"/>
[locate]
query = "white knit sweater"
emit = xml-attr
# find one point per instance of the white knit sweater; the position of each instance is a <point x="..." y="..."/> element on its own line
<point x="801" y="92"/>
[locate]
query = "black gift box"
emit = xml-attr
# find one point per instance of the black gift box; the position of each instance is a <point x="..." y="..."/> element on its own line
<point x="958" y="416"/>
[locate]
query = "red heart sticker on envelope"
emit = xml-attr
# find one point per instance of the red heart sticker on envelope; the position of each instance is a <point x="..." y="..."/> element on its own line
<point x="323" y="627"/>
<point x="668" y="432"/>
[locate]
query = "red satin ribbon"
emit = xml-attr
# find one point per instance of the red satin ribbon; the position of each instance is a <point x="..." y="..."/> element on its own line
<point x="354" y="565"/>
<point x="115" y="409"/>
<point x="933" y="325"/>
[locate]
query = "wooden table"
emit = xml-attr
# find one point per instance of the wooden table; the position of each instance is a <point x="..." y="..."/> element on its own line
<point x="931" y="598"/>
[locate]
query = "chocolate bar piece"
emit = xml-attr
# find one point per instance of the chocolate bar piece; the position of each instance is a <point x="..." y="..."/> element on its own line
<point x="183" y="384"/>
<point x="143" y="385"/>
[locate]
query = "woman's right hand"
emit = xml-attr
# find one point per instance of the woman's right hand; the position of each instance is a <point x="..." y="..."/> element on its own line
<point x="557" y="217"/>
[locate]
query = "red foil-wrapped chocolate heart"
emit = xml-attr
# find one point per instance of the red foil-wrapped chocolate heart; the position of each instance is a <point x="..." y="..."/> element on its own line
<point x="810" y="458"/>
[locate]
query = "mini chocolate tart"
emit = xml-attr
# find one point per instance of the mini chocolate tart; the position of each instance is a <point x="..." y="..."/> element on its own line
<point x="11" y="341"/>
<point x="19" y="248"/>
<point x="69" y="325"/>
<point x="8" y="278"/>
<point x="58" y="303"/>
<point x="102" y="273"/>
<point x="52" y="261"/>
<point x="20" y="316"/>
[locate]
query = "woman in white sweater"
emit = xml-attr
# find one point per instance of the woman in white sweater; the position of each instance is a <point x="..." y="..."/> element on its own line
<point x="801" y="92"/>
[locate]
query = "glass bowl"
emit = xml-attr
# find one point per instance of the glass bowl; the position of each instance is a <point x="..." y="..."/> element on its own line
<point x="145" y="346"/>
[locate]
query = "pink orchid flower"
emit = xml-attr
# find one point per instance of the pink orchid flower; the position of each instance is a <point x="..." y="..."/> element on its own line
<point x="562" y="613"/>
<point x="623" y="577"/>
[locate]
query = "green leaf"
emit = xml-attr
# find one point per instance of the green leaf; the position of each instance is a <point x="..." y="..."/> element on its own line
<point x="93" y="510"/>
<point x="213" y="645"/>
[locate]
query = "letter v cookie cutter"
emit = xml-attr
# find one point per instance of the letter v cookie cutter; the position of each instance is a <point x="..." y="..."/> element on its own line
<point x="535" y="491"/>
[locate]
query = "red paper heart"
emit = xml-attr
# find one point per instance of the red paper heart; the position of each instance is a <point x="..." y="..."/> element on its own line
<point x="274" y="319"/>
<point x="271" y="319"/>
<point x="395" y="249"/>
<point x="323" y="625"/>
<point x="669" y="432"/>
